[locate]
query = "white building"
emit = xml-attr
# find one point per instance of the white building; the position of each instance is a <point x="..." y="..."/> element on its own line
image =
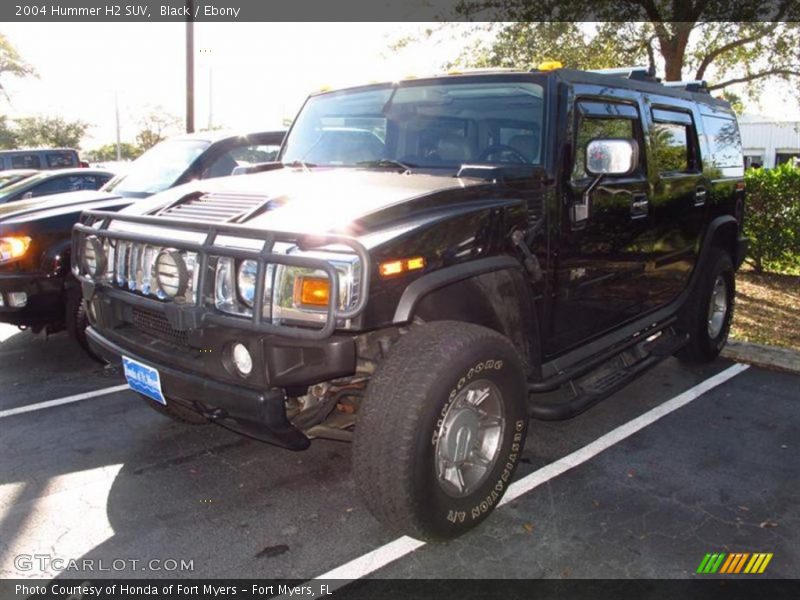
<point x="768" y="142"/>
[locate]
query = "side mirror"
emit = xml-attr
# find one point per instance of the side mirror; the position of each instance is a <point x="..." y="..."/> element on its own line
<point x="611" y="157"/>
<point x="604" y="157"/>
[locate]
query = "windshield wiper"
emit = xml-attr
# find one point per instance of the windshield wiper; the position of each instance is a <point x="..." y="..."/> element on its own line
<point x="385" y="163"/>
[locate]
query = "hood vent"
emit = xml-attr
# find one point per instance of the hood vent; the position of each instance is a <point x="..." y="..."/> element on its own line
<point x="216" y="208"/>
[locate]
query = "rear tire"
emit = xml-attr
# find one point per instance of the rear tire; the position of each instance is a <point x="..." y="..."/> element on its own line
<point x="441" y="430"/>
<point x="176" y="412"/>
<point x="708" y="313"/>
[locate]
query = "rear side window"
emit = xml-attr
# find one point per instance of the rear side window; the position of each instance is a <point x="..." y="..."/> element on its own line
<point x="674" y="142"/>
<point x="26" y="161"/>
<point x="724" y="142"/>
<point x="671" y="145"/>
<point x="61" y="160"/>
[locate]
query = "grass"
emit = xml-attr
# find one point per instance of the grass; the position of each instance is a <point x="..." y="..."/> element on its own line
<point x="767" y="309"/>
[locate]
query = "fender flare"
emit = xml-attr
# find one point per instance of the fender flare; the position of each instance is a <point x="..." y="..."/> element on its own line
<point x="426" y="284"/>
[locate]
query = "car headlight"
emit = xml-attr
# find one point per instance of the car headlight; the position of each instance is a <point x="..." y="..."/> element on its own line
<point x="303" y="294"/>
<point x="246" y="282"/>
<point x="291" y="294"/>
<point x="13" y="248"/>
<point x="235" y="287"/>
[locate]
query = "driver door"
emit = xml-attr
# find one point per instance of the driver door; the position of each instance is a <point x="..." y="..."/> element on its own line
<point x="601" y="260"/>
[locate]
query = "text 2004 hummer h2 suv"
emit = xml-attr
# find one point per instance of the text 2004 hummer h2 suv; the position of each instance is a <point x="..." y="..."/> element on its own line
<point x="432" y="263"/>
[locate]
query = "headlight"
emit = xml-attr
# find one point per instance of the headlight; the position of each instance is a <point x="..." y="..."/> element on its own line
<point x="246" y="282"/>
<point x="304" y="294"/>
<point x="291" y="294"/>
<point x="235" y="288"/>
<point x="13" y="248"/>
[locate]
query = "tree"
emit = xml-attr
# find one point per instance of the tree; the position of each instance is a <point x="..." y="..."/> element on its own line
<point x="35" y="132"/>
<point x="108" y="152"/>
<point x="8" y="138"/>
<point x="11" y="63"/>
<point x="156" y="126"/>
<point x="750" y="42"/>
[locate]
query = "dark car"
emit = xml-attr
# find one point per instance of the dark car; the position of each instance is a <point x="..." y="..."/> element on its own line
<point x="47" y="183"/>
<point x="14" y="175"/>
<point x="430" y="264"/>
<point x="36" y="288"/>
<point x="40" y="159"/>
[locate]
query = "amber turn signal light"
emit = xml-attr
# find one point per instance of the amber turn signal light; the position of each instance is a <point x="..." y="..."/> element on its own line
<point x="312" y="291"/>
<point x="390" y="268"/>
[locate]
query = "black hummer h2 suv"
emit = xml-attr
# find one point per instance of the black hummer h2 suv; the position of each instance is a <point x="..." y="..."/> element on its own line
<point x="430" y="264"/>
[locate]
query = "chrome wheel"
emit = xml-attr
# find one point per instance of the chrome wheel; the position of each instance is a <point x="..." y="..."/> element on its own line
<point x="469" y="438"/>
<point x="717" y="307"/>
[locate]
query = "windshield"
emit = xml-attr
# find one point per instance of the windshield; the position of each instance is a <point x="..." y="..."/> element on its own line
<point x="158" y="168"/>
<point x="442" y="125"/>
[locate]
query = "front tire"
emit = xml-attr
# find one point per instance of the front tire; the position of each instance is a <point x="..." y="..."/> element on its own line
<point x="441" y="430"/>
<point x="77" y="320"/>
<point x="708" y="313"/>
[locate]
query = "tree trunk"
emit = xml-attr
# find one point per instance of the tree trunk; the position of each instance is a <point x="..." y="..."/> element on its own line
<point x="673" y="41"/>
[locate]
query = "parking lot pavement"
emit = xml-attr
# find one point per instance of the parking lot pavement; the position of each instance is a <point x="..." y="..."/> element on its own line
<point x="109" y="479"/>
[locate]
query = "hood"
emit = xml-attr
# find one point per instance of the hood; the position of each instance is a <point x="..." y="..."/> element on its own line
<point x="312" y="201"/>
<point x="56" y="204"/>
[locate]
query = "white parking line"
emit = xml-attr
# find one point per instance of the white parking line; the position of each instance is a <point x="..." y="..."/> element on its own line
<point x="388" y="553"/>
<point x="68" y="400"/>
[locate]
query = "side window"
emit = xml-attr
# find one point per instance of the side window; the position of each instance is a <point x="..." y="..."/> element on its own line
<point x="60" y="160"/>
<point x="25" y="161"/>
<point x="55" y="185"/>
<point x="674" y="142"/>
<point x="724" y="141"/>
<point x="670" y="142"/>
<point x="591" y="128"/>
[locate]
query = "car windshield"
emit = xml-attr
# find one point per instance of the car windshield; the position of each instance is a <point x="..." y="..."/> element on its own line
<point x="442" y="125"/>
<point x="158" y="168"/>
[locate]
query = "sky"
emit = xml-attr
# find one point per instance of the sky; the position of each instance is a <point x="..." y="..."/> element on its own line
<point x="256" y="74"/>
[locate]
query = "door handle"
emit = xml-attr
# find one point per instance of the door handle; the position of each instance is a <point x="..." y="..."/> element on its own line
<point x="640" y="206"/>
<point x="700" y="196"/>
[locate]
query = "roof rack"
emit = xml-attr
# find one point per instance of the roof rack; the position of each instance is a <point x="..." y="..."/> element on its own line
<point x="642" y="73"/>
<point x="697" y="85"/>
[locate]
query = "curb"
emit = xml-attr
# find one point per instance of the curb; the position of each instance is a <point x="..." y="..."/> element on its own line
<point x="769" y="357"/>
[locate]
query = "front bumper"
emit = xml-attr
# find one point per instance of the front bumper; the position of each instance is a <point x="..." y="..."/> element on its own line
<point x="258" y="414"/>
<point x="45" y="299"/>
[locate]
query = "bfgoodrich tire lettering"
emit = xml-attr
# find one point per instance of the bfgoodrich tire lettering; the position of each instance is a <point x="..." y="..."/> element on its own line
<point x="400" y="426"/>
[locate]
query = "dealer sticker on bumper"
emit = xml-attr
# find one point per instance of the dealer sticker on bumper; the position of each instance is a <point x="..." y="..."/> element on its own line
<point x="143" y="379"/>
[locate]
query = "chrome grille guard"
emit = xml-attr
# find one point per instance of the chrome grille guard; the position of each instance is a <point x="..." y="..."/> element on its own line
<point x="184" y="317"/>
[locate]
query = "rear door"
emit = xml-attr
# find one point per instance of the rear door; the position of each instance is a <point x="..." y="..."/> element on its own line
<point x="600" y="261"/>
<point x="677" y="204"/>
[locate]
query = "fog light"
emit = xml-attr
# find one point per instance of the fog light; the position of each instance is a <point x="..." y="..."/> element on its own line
<point x="93" y="257"/>
<point x="242" y="359"/>
<point x="17" y="299"/>
<point x="171" y="273"/>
